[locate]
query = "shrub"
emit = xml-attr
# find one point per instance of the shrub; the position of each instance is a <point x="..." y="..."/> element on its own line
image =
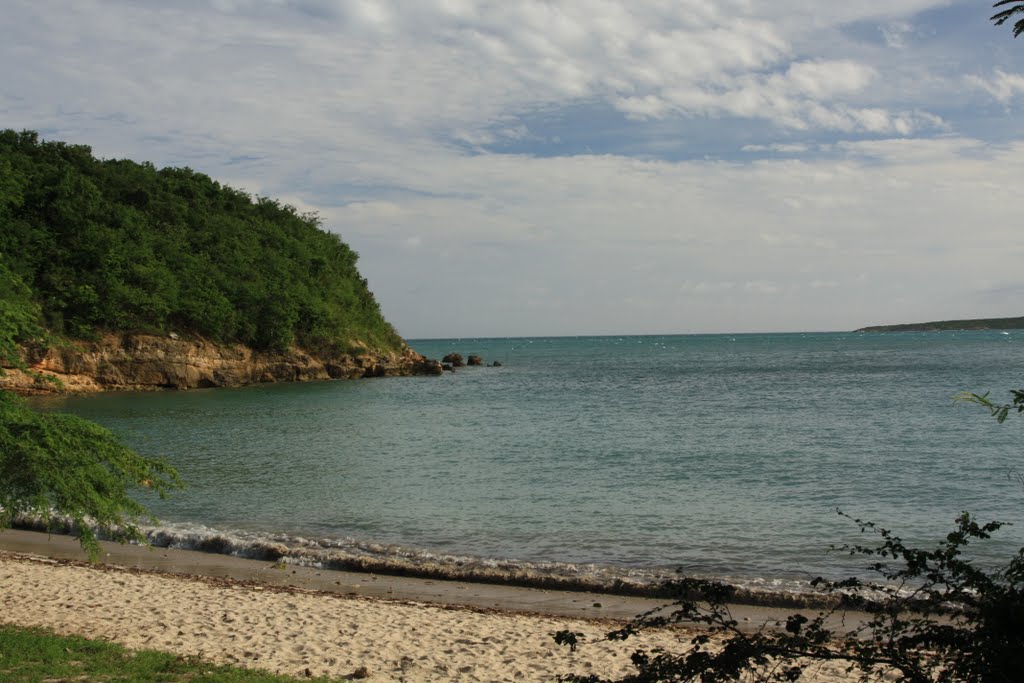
<point x="933" y="616"/>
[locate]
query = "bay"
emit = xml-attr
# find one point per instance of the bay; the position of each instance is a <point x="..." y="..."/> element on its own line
<point x="724" y="455"/>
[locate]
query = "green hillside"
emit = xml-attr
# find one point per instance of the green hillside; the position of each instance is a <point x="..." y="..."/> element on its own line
<point x="90" y="245"/>
<point x="940" y="325"/>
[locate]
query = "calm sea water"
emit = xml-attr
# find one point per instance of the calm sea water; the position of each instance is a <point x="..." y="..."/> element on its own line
<point x="726" y="455"/>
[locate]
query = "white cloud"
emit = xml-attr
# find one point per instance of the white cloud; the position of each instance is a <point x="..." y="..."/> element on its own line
<point x="782" y="148"/>
<point x="1001" y="85"/>
<point x="392" y="120"/>
<point x="824" y="79"/>
<point x="459" y="66"/>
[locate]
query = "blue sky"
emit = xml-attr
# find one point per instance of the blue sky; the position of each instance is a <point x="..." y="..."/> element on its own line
<point x="590" y="167"/>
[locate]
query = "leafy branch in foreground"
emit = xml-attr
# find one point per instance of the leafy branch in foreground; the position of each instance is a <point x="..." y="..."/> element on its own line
<point x="1005" y="15"/>
<point x="999" y="411"/>
<point x="55" y="464"/>
<point x="934" y="616"/>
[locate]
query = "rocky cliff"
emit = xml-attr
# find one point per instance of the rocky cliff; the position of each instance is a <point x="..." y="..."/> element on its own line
<point x="141" y="362"/>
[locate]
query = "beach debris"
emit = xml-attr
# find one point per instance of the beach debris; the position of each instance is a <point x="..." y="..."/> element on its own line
<point x="361" y="672"/>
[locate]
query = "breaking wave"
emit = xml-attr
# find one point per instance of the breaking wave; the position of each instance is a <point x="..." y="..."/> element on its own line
<point x="348" y="554"/>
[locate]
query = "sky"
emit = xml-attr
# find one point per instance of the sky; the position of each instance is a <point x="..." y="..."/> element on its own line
<point x="522" y="168"/>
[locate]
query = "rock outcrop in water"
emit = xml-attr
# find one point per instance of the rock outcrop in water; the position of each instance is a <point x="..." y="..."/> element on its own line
<point x="141" y="362"/>
<point x="453" y="359"/>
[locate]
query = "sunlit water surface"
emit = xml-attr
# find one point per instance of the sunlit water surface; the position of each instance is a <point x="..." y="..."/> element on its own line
<point x="726" y="455"/>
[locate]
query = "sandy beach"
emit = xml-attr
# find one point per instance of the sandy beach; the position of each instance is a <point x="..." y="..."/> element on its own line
<point x="283" y="626"/>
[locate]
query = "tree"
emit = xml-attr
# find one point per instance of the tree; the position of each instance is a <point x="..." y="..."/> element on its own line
<point x="19" y="317"/>
<point x="54" y="465"/>
<point x="108" y="245"/>
<point x="1002" y="17"/>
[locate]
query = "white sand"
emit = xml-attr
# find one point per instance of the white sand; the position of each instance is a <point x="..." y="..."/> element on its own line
<point x="292" y="630"/>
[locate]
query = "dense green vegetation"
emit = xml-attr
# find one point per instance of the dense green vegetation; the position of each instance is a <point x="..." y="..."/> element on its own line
<point x="943" y="325"/>
<point x="33" y="655"/>
<point x="91" y="245"/>
<point x="19" y="317"/>
<point x="53" y="464"/>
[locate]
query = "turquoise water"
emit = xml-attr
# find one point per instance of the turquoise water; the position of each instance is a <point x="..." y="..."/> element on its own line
<point x="726" y="455"/>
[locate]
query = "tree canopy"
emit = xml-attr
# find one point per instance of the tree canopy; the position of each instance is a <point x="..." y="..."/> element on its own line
<point x="19" y="317"/>
<point x="117" y="245"/>
<point x="56" y="466"/>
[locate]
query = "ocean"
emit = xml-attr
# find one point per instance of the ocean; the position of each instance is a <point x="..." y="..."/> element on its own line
<point x="603" y="462"/>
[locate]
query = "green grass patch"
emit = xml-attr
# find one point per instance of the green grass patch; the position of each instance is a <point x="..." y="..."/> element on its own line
<point x="32" y="655"/>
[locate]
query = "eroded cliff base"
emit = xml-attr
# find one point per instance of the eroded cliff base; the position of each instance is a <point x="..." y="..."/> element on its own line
<point x="135" y="362"/>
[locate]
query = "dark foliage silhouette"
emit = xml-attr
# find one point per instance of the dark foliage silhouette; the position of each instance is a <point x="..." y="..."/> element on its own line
<point x="932" y="615"/>
<point x="1014" y="7"/>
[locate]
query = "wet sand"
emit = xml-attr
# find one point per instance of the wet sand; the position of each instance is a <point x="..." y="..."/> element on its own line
<point x="294" y="619"/>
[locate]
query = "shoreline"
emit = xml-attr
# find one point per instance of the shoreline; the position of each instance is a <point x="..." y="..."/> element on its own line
<point x="367" y="558"/>
<point x="132" y="361"/>
<point x="215" y="566"/>
<point x="304" y="621"/>
<point x="478" y="596"/>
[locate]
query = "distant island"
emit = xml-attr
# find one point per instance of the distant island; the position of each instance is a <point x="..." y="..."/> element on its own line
<point x="944" y="325"/>
<point x="116" y="274"/>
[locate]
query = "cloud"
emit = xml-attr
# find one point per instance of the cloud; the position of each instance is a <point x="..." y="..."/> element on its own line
<point x="895" y="33"/>
<point x="808" y="95"/>
<point x="696" y="226"/>
<point x="707" y="288"/>
<point x="456" y="69"/>
<point x="782" y="148"/>
<point x="757" y="157"/>
<point x="1001" y="85"/>
<point x="762" y="287"/>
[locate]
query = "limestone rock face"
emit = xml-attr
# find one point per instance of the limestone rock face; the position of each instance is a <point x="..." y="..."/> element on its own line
<point x="140" y="361"/>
